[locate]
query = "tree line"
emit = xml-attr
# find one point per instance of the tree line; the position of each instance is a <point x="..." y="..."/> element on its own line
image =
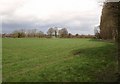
<point x="51" y="32"/>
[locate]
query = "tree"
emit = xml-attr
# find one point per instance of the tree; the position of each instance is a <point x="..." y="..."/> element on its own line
<point x="76" y="35"/>
<point x="55" y="30"/>
<point x="63" y="32"/>
<point x="69" y="35"/>
<point x="32" y="33"/>
<point x="50" y="31"/>
<point x="19" y="33"/>
<point x="109" y="20"/>
<point x="97" y="32"/>
<point x="40" y="34"/>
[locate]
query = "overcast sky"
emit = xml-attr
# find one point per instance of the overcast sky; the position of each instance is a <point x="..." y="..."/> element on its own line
<point x="78" y="16"/>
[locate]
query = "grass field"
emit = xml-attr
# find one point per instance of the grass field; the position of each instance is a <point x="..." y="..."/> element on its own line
<point x="34" y="60"/>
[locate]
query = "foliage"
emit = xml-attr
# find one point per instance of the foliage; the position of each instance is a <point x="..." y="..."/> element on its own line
<point x="109" y="20"/>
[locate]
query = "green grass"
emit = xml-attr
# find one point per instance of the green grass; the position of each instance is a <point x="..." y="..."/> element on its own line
<point x="0" y="60"/>
<point x="38" y="60"/>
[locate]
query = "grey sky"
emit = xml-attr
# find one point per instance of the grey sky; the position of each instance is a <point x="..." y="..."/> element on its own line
<point x="78" y="16"/>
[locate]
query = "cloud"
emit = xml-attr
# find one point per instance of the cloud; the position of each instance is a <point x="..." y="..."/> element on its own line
<point x="8" y="7"/>
<point x="79" y="16"/>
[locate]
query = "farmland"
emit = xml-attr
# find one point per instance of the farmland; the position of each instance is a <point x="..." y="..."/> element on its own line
<point x="56" y="60"/>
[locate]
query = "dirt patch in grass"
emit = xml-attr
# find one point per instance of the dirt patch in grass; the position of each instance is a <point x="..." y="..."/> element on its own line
<point x="76" y="52"/>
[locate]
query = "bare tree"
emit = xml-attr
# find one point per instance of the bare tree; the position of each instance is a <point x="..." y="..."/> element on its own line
<point x="97" y="32"/>
<point x="32" y="32"/>
<point x="40" y="34"/>
<point x="63" y="32"/>
<point x="50" y="31"/>
<point x="56" y="31"/>
<point x="19" y="33"/>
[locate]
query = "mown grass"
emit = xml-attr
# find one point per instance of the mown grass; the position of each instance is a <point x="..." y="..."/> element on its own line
<point x="58" y="60"/>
